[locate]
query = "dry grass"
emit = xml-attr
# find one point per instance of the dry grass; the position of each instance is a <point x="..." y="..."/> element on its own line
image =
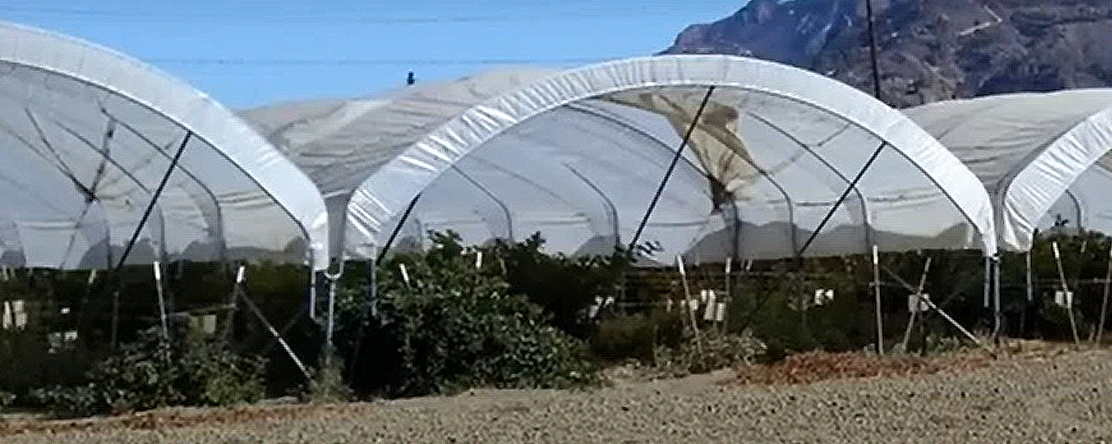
<point x="166" y="418"/>
<point x="811" y="367"/>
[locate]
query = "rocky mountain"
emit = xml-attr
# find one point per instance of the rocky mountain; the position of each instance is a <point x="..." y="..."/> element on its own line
<point x="928" y="49"/>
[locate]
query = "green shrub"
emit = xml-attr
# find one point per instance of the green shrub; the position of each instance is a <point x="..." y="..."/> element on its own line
<point x="327" y="384"/>
<point x="562" y="286"/>
<point x="713" y="350"/>
<point x="635" y="336"/>
<point x="153" y="372"/>
<point x="453" y="327"/>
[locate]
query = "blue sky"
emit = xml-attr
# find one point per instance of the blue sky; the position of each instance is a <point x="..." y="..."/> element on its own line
<point x="348" y="47"/>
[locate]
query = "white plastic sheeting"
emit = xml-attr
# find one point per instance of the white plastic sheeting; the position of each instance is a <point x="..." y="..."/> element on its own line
<point x="1041" y="155"/>
<point x="87" y="134"/>
<point x="339" y="142"/>
<point x="578" y="156"/>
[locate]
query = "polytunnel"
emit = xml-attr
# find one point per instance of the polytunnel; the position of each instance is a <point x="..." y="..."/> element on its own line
<point x="578" y="156"/>
<point x="1042" y="156"/>
<point x="91" y="138"/>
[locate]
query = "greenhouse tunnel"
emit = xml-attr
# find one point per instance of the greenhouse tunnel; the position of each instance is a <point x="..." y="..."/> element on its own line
<point x="111" y="165"/>
<point x="1040" y="155"/>
<point x="578" y="155"/>
<point x="89" y="134"/>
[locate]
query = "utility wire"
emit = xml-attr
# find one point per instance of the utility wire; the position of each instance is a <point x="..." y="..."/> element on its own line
<point x="232" y="61"/>
<point x="322" y="16"/>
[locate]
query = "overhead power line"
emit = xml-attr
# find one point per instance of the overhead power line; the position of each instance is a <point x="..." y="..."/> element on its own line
<point x="385" y="62"/>
<point x="323" y="16"/>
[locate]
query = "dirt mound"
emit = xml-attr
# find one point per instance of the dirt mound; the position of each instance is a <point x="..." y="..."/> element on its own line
<point x="806" y="368"/>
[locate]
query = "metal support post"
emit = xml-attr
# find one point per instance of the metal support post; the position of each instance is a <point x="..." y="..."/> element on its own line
<point x="687" y="304"/>
<point x="1104" y="301"/>
<point x="915" y="312"/>
<point x="331" y="320"/>
<point x="312" y="293"/>
<point x="987" y="295"/>
<point x="876" y="302"/>
<point x="241" y="272"/>
<point x="1066" y="291"/>
<point x="729" y="296"/>
<point x="161" y="300"/>
<point x="997" y="316"/>
<point x="1030" y="288"/>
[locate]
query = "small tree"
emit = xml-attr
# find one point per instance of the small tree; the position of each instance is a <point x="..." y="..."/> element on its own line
<point x="452" y="326"/>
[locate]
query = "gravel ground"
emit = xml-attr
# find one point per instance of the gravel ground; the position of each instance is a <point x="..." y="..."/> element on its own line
<point x="1031" y="399"/>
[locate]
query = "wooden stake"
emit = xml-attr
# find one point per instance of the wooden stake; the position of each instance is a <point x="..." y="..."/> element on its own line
<point x="1066" y="293"/>
<point x="161" y="300"/>
<point x="915" y="312"/>
<point x="876" y="302"/>
<point x="687" y="305"/>
<point x="1104" y="302"/>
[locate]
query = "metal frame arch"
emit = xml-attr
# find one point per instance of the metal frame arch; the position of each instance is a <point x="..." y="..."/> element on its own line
<point x="790" y="203"/>
<point x="182" y="106"/>
<point x="428" y="158"/>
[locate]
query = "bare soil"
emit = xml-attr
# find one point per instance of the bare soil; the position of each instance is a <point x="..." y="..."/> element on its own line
<point x="1047" y="395"/>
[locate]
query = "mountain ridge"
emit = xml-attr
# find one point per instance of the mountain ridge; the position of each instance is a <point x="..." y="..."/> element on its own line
<point x="928" y="50"/>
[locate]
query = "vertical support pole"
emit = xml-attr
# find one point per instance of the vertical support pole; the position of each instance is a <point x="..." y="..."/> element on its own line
<point x="1029" y="282"/>
<point x="328" y="332"/>
<point x="161" y="300"/>
<point x="115" y="317"/>
<point x="1066" y="290"/>
<point x="372" y="289"/>
<point x="405" y="277"/>
<point x="988" y="282"/>
<point x="687" y="304"/>
<point x="876" y="301"/>
<point x="915" y="312"/>
<point x="872" y="48"/>
<point x="997" y="316"/>
<point x="729" y="296"/>
<point x="312" y="293"/>
<point x="1104" y="301"/>
<point x="241" y="272"/>
<point x="736" y="244"/>
<point x="1030" y="288"/>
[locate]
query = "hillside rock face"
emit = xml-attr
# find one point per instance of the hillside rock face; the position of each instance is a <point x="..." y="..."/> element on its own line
<point x="929" y="50"/>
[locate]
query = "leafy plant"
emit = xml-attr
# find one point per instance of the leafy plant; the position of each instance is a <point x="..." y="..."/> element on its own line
<point x="327" y="384"/>
<point x="563" y="287"/>
<point x="6" y="398"/>
<point x="445" y="325"/>
<point x="635" y="335"/>
<point x="154" y="372"/>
